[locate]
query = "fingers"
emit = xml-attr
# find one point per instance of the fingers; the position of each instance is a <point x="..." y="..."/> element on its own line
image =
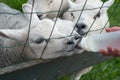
<point x="115" y="28"/>
<point x="108" y="30"/>
<point x="116" y="52"/>
<point x="102" y="51"/>
<point x="110" y="52"/>
<point x="107" y="52"/>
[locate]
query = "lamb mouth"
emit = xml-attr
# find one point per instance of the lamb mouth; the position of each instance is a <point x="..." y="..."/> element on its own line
<point x="77" y="47"/>
<point x="71" y="50"/>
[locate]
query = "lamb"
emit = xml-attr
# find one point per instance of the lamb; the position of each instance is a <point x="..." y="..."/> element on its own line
<point x="52" y="6"/>
<point x="83" y="25"/>
<point x="10" y="21"/>
<point x="39" y="33"/>
<point x="88" y="16"/>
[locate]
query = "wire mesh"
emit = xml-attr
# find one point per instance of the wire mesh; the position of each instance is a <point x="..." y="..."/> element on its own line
<point x="28" y="31"/>
<point x="115" y="8"/>
<point x="52" y="28"/>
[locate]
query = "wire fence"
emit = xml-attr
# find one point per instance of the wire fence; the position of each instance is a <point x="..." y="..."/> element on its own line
<point x="115" y="8"/>
<point x="112" y="13"/>
<point x="76" y="10"/>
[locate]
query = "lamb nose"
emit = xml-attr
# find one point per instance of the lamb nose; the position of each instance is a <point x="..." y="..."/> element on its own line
<point x="70" y="42"/>
<point x="40" y="15"/>
<point x="77" y="37"/>
<point x="80" y="26"/>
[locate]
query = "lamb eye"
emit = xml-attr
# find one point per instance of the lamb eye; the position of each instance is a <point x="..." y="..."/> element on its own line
<point x="72" y="15"/>
<point x="40" y="16"/>
<point x="97" y="15"/>
<point x="40" y="40"/>
<point x="77" y="37"/>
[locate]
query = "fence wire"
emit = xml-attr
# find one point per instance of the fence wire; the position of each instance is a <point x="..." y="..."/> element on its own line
<point x="94" y="21"/>
<point x="79" y="16"/>
<point x="77" y="10"/>
<point x="29" y="28"/>
<point x="115" y="8"/>
<point x="53" y="27"/>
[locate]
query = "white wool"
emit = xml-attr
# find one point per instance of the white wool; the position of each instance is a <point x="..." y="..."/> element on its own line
<point x="39" y="30"/>
<point x="87" y="16"/>
<point x="44" y="6"/>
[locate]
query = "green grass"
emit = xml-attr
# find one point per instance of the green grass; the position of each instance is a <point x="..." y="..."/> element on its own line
<point x="115" y="19"/>
<point x="108" y="70"/>
<point x="16" y="4"/>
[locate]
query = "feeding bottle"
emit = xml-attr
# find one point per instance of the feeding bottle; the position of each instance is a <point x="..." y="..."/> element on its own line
<point x="101" y="41"/>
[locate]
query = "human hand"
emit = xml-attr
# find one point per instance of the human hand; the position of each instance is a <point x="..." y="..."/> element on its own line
<point x="115" y="28"/>
<point x="110" y="52"/>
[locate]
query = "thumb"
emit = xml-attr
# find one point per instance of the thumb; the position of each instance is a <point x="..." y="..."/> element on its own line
<point x="115" y="28"/>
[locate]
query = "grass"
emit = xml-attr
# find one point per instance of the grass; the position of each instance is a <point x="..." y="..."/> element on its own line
<point x="16" y="4"/>
<point x="108" y="70"/>
<point x="115" y="19"/>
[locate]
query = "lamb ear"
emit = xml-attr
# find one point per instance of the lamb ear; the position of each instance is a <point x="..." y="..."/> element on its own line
<point x="108" y="3"/>
<point x="106" y="6"/>
<point x="28" y="9"/>
<point x="19" y="35"/>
